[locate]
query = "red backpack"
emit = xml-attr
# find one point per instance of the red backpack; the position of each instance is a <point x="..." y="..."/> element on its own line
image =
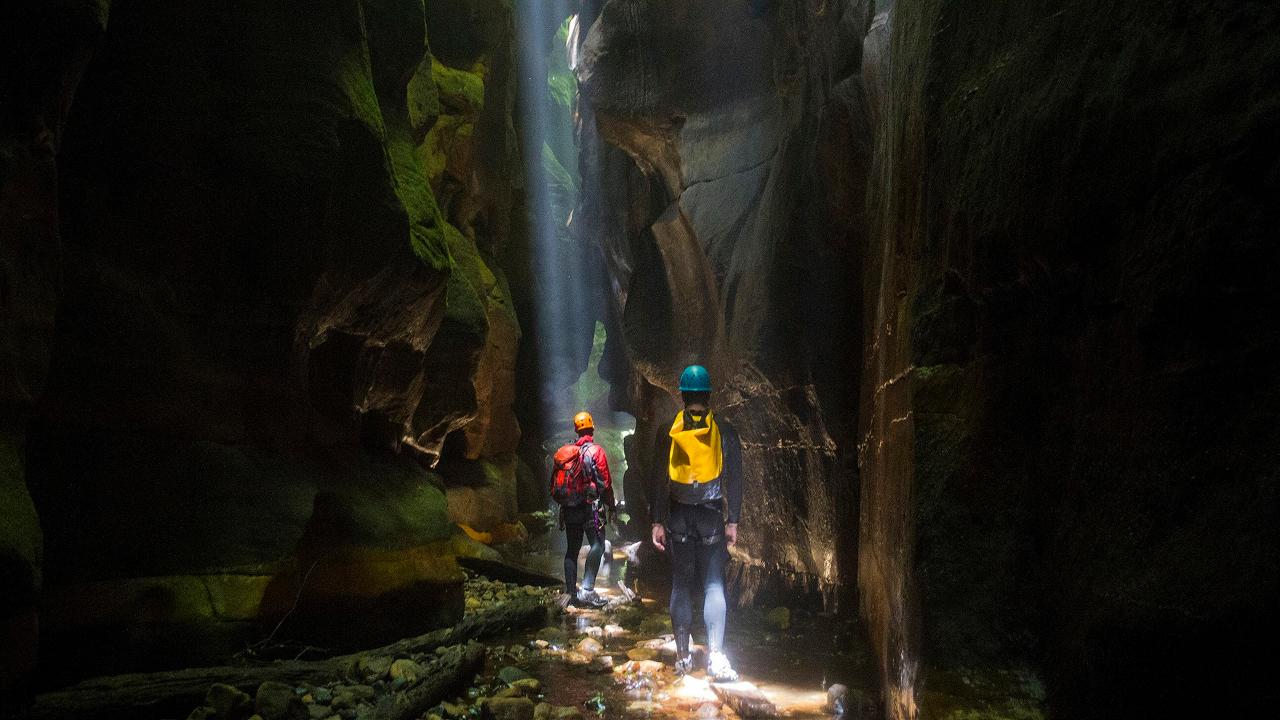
<point x="573" y="478"/>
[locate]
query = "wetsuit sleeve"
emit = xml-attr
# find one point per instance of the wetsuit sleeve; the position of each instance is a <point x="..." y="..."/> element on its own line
<point x="661" y="504"/>
<point x="731" y="446"/>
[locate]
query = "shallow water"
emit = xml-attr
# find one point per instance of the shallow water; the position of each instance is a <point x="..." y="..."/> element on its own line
<point x="793" y="667"/>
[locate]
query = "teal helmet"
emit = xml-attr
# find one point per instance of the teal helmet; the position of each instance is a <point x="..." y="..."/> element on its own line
<point x="695" y="378"/>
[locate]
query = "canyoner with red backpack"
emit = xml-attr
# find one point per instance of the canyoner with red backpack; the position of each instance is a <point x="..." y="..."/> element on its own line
<point x="583" y="488"/>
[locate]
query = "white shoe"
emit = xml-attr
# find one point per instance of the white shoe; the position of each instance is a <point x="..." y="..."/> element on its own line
<point x="684" y="665"/>
<point x="719" y="669"/>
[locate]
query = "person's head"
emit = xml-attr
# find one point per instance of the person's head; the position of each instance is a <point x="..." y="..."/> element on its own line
<point x="696" y="400"/>
<point x="583" y="424"/>
<point x="695" y="387"/>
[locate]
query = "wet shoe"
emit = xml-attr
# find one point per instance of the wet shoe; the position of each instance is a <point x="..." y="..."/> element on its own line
<point x="588" y="599"/>
<point x="719" y="669"/>
<point x="684" y="665"/>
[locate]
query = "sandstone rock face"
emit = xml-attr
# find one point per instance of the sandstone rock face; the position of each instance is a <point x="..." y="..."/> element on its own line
<point x="275" y="273"/>
<point x="706" y="131"/>
<point x="46" y="47"/>
<point x="1068" y="316"/>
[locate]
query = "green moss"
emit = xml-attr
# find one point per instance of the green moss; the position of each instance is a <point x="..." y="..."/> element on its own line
<point x="21" y="546"/>
<point x="411" y="184"/>
<point x="459" y="90"/>
<point x="976" y="693"/>
<point x="392" y="502"/>
<point x="429" y="244"/>
<point x="355" y="78"/>
<point x="428" y="231"/>
<point x="561" y="83"/>
<point x="500" y="471"/>
<point x="591" y="389"/>
<point x="469" y="284"/>
<point x="423" y="97"/>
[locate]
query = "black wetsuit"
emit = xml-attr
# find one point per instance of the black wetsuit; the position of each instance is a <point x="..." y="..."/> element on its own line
<point x="579" y="522"/>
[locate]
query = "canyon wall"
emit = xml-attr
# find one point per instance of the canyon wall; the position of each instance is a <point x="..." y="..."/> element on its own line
<point x="263" y="353"/>
<point x="1068" y="476"/>
<point x="722" y="182"/>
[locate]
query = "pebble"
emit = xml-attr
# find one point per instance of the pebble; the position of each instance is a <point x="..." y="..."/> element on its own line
<point x="590" y="647"/>
<point x="506" y="708"/>
<point x="510" y="674"/>
<point x="374" y="666"/>
<point x="640" y="667"/>
<point x="642" y="653"/>
<point x="349" y="696"/>
<point x="406" y="670"/>
<point x="552" y="635"/>
<point x="528" y="687"/>
<point x="573" y="657"/>
<point x="229" y="702"/>
<point x="836" y="695"/>
<point x="642" y="707"/>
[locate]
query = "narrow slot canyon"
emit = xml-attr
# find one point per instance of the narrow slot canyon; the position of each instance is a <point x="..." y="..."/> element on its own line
<point x="301" y="302"/>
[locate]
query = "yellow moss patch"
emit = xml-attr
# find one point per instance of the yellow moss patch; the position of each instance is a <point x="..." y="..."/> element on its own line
<point x="372" y="572"/>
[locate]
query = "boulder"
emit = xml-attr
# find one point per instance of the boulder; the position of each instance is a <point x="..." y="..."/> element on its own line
<point x="374" y="667"/>
<point x="278" y="701"/>
<point x="589" y="646"/>
<point x="408" y="671"/>
<point x="229" y="702"/>
<point x="746" y="699"/>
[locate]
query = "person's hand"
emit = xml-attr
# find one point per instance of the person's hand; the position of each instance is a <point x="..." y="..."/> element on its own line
<point x="731" y="533"/>
<point x="660" y="537"/>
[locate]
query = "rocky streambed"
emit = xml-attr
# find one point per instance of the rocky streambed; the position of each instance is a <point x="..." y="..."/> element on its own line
<point x="520" y="653"/>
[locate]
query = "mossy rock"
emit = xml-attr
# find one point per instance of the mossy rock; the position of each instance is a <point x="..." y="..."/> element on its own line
<point x="21" y="541"/>
<point x="423" y="97"/>
<point x="470" y="284"/>
<point x="460" y="92"/>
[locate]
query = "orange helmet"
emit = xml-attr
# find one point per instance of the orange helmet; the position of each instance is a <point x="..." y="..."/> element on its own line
<point x="582" y="421"/>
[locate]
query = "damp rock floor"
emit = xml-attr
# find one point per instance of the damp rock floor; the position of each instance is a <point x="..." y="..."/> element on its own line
<point x="612" y="662"/>
<point x="617" y="662"/>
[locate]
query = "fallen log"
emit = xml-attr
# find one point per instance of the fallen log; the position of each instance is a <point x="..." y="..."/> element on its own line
<point x="175" y="692"/>
<point x="448" y="676"/>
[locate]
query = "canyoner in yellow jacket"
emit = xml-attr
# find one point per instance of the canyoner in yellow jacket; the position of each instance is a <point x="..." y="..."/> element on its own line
<point x="695" y="516"/>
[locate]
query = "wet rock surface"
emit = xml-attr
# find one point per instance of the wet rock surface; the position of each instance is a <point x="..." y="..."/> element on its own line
<point x="1070" y="292"/>
<point x="578" y="666"/>
<point x="702" y="172"/>
<point x="270" y="239"/>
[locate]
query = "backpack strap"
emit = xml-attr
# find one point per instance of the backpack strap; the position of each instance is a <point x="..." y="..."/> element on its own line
<point x="589" y="464"/>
